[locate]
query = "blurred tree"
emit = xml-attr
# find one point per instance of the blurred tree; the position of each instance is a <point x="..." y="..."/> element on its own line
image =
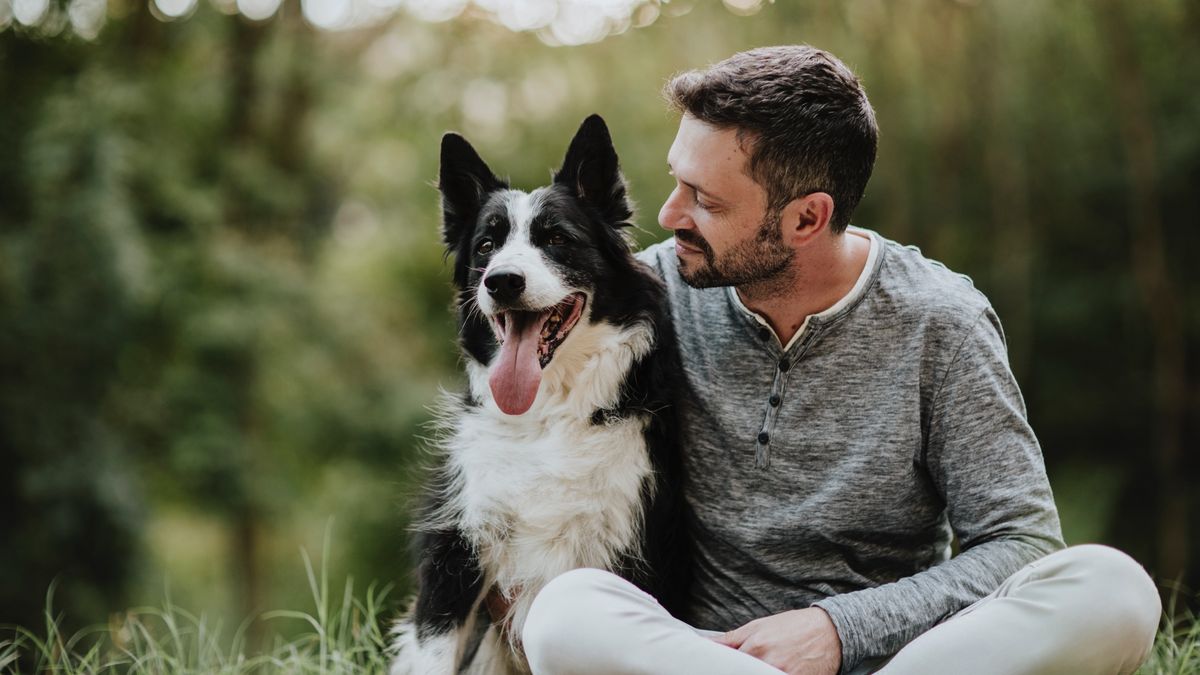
<point x="164" y="308"/>
<point x="1159" y="294"/>
<point x="70" y="263"/>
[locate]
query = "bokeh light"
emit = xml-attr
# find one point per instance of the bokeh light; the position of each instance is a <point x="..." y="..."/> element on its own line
<point x="436" y="10"/>
<point x="174" y="9"/>
<point x="744" y="7"/>
<point x="87" y="17"/>
<point x="555" y="22"/>
<point x="258" y="10"/>
<point x="523" y="15"/>
<point x="30" y="12"/>
<point x="327" y="14"/>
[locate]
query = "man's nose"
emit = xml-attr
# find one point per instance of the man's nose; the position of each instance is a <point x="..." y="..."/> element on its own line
<point x="671" y="216"/>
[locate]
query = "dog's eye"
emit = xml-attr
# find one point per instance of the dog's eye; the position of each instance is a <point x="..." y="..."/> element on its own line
<point x="484" y="247"/>
<point x="556" y="239"/>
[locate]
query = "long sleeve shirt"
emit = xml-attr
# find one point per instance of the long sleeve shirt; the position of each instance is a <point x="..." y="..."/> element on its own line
<point x="833" y="471"/>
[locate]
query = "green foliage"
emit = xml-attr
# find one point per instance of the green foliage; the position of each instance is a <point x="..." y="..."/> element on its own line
<point x="1177" y="646"/>
<point x="343" y="635"/>
<point x="347" y="635"/>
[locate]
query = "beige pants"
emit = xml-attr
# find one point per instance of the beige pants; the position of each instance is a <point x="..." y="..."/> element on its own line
<point x="1084" y="610"/>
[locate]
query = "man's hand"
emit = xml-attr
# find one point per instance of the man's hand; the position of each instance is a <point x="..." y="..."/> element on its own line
<point x="799" y="642"/>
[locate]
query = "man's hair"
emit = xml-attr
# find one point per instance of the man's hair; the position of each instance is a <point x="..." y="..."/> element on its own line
<point x="801" y="116"/>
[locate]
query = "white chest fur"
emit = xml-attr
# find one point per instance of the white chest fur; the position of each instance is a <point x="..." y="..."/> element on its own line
<point x="538" y="504"/>
<point x="548" y="491"/>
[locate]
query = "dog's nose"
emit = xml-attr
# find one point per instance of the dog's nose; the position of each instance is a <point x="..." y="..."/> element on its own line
<point x="504" y="285"/>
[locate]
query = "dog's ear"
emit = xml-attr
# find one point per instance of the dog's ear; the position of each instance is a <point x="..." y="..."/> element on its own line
<point x="590" y="170"/>
<point x="464" y="181"/>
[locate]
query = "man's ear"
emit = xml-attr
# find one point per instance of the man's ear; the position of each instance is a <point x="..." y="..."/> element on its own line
<point x="805" y="217"/>
<point x="591" y="171"/>
<point x="464" y="181"/>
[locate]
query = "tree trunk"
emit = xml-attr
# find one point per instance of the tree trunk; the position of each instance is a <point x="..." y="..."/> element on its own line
<point x="1005" y="166"/>
<point x="1159" y="295"/>
<point x="245" y="561"/>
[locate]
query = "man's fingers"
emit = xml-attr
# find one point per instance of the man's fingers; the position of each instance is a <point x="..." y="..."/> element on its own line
<point x="733" y="638"/>
<point x="728" y="640"/>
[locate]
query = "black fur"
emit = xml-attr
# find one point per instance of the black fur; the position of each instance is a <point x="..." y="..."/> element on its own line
<point x="450" y="581"/>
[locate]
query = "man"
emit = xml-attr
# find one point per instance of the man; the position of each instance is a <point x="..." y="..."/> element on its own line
<point x="848" y="408"/>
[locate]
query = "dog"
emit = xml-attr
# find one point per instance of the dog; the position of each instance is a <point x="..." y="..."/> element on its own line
<point x="562" y="452"/>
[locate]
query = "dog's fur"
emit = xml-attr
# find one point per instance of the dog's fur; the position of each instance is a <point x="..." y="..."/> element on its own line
<point x="579" y="469"/>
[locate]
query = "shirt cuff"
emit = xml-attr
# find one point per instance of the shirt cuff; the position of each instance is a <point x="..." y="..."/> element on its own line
<point x="854" y="649"/>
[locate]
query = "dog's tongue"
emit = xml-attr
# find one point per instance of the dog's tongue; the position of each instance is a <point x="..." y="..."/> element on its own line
<point x="517" y="373"/>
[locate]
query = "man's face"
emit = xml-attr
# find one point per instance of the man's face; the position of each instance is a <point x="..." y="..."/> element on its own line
<point x="724" y="235"/>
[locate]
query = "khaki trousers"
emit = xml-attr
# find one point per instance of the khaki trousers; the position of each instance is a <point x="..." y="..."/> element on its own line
<point x="1080" y="611"/>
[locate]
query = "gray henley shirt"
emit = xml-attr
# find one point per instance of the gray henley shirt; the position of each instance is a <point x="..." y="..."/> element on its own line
<point x="833" y="471"/>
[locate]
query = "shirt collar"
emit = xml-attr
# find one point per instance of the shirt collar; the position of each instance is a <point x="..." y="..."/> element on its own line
<point x="842" y="306"/>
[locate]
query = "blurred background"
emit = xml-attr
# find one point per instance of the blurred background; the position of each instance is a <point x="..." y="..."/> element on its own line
<point x="224" y="310"/>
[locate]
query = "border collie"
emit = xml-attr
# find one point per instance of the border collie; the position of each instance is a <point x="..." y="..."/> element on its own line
<point x="561" y="453"/>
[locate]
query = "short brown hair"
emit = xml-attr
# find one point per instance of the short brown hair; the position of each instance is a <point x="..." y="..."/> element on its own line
<point x="803" y="114"/>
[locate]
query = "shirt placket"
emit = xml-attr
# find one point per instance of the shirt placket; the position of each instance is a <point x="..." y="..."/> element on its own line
<point x="783" y="367"/>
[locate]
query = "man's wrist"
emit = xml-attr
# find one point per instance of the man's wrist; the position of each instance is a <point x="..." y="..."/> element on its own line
<point x="850" y="656"/>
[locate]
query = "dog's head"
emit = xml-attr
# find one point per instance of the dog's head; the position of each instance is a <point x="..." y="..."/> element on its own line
<point x="528" y="264"/>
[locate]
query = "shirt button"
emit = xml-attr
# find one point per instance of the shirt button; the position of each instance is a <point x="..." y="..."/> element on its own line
<point x="764" y="334"/>
<point x="784" y="365"/>
<point x="763" y="437"/>
<point x="774" y="400"/>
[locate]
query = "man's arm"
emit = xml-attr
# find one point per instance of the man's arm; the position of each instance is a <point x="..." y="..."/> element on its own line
<point x="984" y="460"/>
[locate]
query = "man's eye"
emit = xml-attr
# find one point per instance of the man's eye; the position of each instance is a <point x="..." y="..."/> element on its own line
<point x="697" y="201"/>
<point x="484" y="247"/>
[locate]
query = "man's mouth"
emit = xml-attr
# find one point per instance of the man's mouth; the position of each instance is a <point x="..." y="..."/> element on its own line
<point x="528" y="340"/>
<point x="688" y="245"/>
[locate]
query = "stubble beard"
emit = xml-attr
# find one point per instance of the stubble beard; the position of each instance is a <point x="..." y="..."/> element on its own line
<point x="760" y="262"/>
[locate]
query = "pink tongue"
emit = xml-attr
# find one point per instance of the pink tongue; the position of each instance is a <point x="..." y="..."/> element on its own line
<point x="516" y="373"/>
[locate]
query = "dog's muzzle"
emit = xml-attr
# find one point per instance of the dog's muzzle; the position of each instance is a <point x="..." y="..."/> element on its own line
<point x="505" y="285"/>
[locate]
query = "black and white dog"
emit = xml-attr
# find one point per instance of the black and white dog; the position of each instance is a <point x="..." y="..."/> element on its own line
<point x="561" y="453"/>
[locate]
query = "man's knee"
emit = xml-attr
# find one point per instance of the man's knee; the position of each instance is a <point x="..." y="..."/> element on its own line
<point x="1113" y="597"/>
<point x="563" y="620"/>
<point x="1115" y="580"/>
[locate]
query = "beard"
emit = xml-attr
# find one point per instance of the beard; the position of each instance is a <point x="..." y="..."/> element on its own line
<point x="757" y="259"/>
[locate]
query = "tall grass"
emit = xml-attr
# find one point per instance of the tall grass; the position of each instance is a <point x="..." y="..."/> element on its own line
<point x="344" y="636"/>
<point x="1177" y="646"/>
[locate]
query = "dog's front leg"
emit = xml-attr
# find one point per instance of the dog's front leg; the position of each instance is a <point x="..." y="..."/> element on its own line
<point x="432" y="640"/>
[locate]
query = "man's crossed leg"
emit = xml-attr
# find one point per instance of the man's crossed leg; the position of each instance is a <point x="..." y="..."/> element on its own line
<point x="1081" y="611"/>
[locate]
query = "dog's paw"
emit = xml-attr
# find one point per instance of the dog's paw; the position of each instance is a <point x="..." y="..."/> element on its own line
<point x="405" y="650"/>
<point x="413" y="656"/>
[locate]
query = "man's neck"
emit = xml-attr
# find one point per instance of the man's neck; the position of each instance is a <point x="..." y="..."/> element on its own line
<point x="812" y="284"/>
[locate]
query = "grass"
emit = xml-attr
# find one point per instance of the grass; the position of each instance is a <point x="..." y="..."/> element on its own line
<point x="1177" y="646"/>
<point x="345" y="637"/>
<point x="342" y="637"/>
